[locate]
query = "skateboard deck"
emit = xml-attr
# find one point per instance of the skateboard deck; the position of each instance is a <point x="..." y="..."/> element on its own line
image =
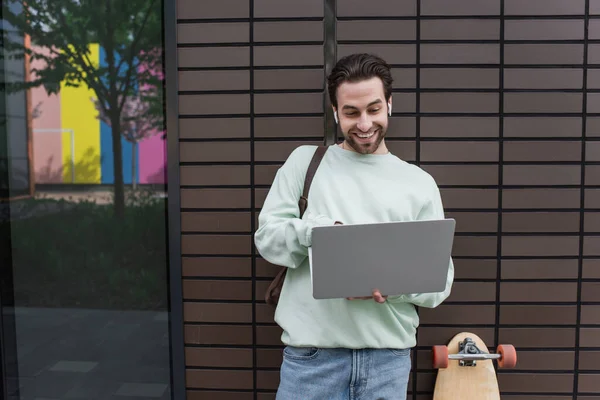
<point x="466" y="370"/>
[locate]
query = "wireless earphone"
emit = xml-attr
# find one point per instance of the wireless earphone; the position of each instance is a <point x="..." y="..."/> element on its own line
<point x="335" y="116"/>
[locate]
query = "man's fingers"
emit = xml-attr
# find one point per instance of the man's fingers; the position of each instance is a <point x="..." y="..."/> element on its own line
<point x="377" y="296"/>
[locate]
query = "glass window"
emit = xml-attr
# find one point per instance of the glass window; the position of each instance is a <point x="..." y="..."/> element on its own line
<point x="83" y="224"/>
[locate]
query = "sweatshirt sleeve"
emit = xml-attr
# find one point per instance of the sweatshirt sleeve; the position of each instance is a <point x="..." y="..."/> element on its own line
<point x="282" y="237"/>
<point x="432" y="210"/>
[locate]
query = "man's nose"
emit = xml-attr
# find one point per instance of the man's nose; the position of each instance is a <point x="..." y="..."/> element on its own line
<point x="365" y="123"/>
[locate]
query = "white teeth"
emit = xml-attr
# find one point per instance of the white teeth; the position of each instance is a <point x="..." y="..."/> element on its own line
<point x="366" y="136"/>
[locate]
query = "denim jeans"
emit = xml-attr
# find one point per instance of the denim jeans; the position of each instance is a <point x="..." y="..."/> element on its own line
<point x="309" y="373"/>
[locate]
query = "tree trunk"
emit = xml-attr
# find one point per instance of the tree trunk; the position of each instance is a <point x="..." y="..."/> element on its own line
<point x="119" y="186"/>
<point x="133" y="164"/>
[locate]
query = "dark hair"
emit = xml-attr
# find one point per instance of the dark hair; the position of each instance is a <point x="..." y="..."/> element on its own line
<point x="358" y="67"/>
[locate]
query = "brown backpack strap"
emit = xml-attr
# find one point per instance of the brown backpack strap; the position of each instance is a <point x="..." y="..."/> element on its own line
<point x="274" y="289"/>
<point x="310" y="174"/>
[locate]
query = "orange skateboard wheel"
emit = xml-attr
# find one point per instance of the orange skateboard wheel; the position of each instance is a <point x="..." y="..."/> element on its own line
<point x="440" y="356"/>
<point x="509" y="356"/>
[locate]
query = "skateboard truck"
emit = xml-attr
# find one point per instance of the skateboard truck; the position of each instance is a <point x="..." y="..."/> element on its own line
<point x="469" y="353"/>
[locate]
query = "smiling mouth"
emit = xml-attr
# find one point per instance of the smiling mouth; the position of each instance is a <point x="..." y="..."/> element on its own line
<point x="365" y="136"/>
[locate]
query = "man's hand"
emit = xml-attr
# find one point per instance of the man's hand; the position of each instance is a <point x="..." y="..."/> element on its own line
<point x="377" y="296"/>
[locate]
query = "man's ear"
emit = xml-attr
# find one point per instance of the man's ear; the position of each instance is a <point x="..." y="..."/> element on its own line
<point x="390" y="106"/>
<point x="335" y="115"/>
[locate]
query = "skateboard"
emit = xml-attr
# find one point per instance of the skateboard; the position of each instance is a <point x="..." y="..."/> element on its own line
<point x="466" y="370"/>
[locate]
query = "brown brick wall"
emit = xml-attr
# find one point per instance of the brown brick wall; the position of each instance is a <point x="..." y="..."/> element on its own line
<point x="497" y="99"/>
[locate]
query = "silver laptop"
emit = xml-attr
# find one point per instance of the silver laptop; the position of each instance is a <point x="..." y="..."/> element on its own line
<point x="394" y="257"/>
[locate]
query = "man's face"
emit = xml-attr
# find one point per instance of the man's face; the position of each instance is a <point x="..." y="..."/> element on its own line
<point x="363" y="115"/>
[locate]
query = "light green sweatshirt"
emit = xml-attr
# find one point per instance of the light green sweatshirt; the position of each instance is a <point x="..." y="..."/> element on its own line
<point x="354" y="189"/>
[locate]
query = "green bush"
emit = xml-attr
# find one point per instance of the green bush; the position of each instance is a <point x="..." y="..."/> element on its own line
<point x="79" y="255"/>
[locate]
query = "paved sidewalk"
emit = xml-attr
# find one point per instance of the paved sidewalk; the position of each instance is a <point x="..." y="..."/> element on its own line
<point x="77" y="354"/>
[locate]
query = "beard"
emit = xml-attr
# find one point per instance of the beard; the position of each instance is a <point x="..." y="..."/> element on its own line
<point x="371" y="145"/>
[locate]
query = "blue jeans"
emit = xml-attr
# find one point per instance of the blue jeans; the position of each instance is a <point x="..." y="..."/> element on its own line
<point x="311" y="373"/>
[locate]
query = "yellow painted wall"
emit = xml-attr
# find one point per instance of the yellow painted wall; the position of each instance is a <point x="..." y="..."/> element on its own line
<point x="77" y="112"/>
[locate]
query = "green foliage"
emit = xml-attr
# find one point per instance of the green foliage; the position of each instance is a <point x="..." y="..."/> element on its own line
<point x="79" y="256"/>
<point x="130" y="32"/>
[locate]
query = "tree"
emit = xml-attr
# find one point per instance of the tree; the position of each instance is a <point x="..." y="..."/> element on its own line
<point x="130" y="32"/>
<point x="138" y="120"/>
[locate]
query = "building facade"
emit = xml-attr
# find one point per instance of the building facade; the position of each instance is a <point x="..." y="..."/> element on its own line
<point x="497" y="99"/>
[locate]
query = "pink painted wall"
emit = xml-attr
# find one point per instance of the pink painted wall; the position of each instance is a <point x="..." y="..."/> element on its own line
<point x="47" y="147"/>
<point x="153" y="151"/>
<point x="153" y="155"/>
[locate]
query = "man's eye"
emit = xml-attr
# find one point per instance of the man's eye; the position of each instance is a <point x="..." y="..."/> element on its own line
<point x="375" y="110"/>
